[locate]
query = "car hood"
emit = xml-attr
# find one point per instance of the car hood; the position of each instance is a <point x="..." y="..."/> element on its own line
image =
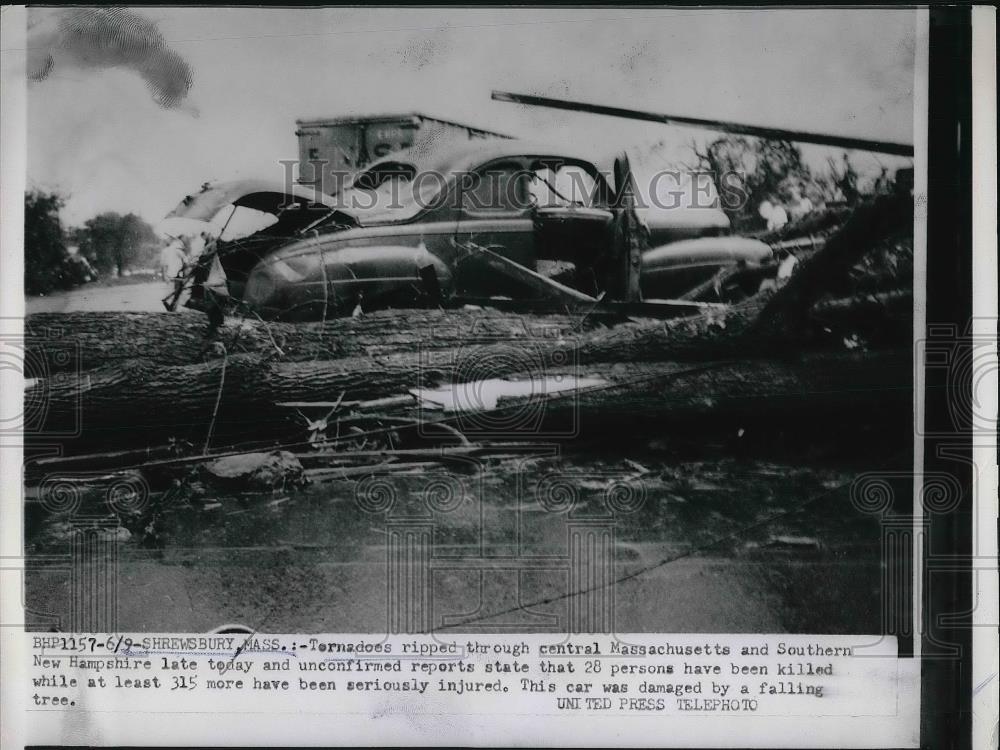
<point x="261" y="195"/>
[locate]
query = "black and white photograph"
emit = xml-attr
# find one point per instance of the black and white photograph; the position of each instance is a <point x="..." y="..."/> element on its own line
<point x="450" y="320"/>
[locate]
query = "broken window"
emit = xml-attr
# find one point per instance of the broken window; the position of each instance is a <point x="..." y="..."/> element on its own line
<point x="498" y="187"/>
<point x="563" y="185"/>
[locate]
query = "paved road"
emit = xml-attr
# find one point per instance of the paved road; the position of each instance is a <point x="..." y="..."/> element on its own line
<point x="716" y="546"/>
<point x="141" y="297"/>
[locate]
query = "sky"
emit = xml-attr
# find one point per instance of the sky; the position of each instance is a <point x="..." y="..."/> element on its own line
<point x="97" y="134"/>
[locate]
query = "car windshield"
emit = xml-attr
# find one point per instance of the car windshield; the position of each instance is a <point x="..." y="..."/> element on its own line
<point x="395" y="199"/>
<point x="389" y="193"/>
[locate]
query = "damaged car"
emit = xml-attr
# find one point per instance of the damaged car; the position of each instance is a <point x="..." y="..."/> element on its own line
<point x="419" y="229"/>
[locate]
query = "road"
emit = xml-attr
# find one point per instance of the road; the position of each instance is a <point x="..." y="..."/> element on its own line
<point x="721" y="545"/>
<point x="143" y="296"/>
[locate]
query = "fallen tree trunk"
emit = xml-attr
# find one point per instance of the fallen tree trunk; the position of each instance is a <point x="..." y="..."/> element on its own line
<point x="239" y="395"/>
<point x="102" y="340"/>
<point x="785" y="315"/>
<point x="144" y="399"/>
<point x="840" y="385"/>
<point x="896" y="303"/>
<point x="139" y="399"/>
<point x="236" y="399"/>
<point x="97" y="339"/>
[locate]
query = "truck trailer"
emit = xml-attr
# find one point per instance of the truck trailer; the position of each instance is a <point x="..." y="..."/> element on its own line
<point x="333" y="149"/>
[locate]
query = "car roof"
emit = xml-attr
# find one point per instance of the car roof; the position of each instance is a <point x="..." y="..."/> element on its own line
<point x="466" y="156"/>
<point x="260" y="194"/>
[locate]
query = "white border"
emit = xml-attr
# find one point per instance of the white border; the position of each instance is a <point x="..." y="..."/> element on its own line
<point x="986" y="614"/>
<point x="13" y="154"/>
<point x="920" y="108"/>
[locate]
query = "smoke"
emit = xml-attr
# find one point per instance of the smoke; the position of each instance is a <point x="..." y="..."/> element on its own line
<point x="102" y="38"/>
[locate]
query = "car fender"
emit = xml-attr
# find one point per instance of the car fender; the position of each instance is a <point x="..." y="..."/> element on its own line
<point x="704" y="251"/>
<point x="293" y="281"/>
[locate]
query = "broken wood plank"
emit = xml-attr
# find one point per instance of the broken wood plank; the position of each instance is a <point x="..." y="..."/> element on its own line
<point x="389" y="402"/>
<point x="353" y="472"/>
<point x="543" y="285"/>
<point x="319" y="458"/>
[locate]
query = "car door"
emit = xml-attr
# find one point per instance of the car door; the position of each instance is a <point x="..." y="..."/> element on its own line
<point x="494" y="213"/>
<point x="572" y="220"/>
<point x="622" y="266"/>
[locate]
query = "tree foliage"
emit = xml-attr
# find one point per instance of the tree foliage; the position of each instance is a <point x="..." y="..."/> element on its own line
<point x="765" y="170"/>
<point x="112" y="242"/>
<point x="45" y="255"/>
<point x="109" y="241"/>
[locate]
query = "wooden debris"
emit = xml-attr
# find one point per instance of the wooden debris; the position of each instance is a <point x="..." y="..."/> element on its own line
<point x="793" y="542"/>
<point x="353" y="472"/>
<point x="254" y="471"/>
<point x="389" y="402"/>
<point x="543" y="285"/>
<point x="443" y="453"/>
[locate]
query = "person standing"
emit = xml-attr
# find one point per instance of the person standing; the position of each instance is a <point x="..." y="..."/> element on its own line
<point x="172" y="261"/>
<point x="800" y="206"/>
<point x="196" y="245"/>
<point x="848" y="182"/>
<point x="772" y="212"/>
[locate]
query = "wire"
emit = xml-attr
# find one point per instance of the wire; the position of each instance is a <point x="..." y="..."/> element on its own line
<point x="218" y="399"/>
<point x="648" y="568"/>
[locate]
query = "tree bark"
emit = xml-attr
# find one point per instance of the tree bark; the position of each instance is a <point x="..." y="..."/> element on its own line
<point x="841" y="384"/>
<point x="98" y="339"/>
<point x="142" y="403"/>
<point x="146" y="398"/>
<point x="859" y="308"/>
<point x="141" y="400"/>
<point x="871" y="224"/>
